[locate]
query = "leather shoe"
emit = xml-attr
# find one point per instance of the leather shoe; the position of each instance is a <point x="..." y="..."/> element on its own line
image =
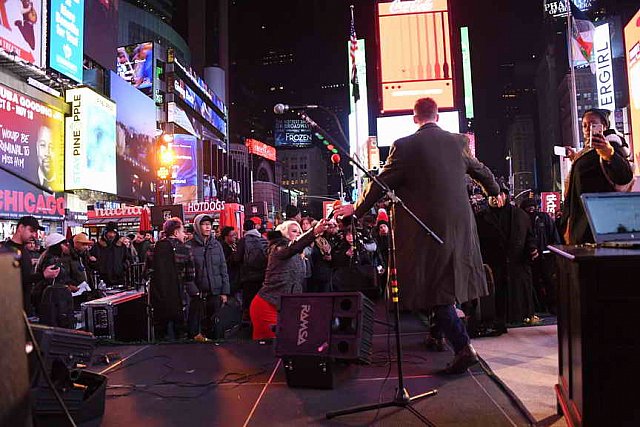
<point x="435" y="344"/>
<point x="464" y="359"/>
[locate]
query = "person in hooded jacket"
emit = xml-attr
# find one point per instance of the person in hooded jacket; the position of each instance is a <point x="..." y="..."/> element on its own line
<point x="284" y="274"/>
<point x="113" y="257"/>
<point x="211" y="286"/>
<point x="54" y="299"/>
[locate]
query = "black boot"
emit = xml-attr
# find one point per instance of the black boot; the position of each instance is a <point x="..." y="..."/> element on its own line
<point x="464" y="359"/>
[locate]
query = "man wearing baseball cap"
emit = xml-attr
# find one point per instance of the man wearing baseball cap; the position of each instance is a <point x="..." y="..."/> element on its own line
<point x="27" y="230"/>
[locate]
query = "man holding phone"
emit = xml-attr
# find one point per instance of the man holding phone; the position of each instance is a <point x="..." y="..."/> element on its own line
<point x="27" y="230"/>
<point x="597" y="168"/>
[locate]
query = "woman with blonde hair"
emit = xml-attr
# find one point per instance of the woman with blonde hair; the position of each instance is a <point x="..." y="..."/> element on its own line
<point x="284" y="275"/>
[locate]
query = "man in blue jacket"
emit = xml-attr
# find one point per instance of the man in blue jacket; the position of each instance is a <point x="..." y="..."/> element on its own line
<point x="211" y="287"/>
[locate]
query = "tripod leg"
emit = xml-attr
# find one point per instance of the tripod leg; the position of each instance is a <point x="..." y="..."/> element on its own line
<point x="430" y="393"/>
<point x="420" y="416"/>
<point x="364" y="408"/>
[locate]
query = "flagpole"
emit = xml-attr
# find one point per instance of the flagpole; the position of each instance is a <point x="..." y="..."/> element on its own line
<point x="574" y="92"/>
<point x="356" y="174"/>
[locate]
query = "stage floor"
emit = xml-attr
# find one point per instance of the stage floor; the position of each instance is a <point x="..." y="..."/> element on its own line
<point x="241" y="383"/>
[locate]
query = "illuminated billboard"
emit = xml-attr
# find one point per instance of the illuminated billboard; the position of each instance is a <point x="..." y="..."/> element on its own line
<point x="22" y="30"/>
<point x="396" y="127"/>
<point x="604" y="68"/>
<point x="185" y="168"/>
<point x="90" y="142"/>
<point x="31" y="139"/>
<point x="134" y="63"/>
<point x="294" y="133"/>
<point x="260" y="149"/>
<point x="66" y="35"/>
<point x="135" y="135"/>
<point x="415" y="54"/>
<point x="632" y="47"/>
<point x="466" y="73"/>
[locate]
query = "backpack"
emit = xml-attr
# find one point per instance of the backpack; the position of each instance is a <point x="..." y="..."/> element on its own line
<point x="254" y="261"/>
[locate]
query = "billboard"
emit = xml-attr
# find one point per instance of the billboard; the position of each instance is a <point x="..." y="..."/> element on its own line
<point x="19" y="198"/>
<point x="604" y="68"/>
<point x="22" y="30"/>
<point x="194" y="101"/>
<point x="415" y="54"/>
<point x="396" y="127"/>
<point x="66" y="36"/>
<point x="632" y="47"/>
<point x="31" y="139"/>
<point x="558" y="8"/>
<point x="100" y="39"/>
<point x="185" y="168"/>
<point x="90" y="142"/>
<point x="292" y="133"/>
<point x="135" y="136"/>
<point x="466" y="73"/>
<point x="261" y="149"/>
<point x="134" y="63"/>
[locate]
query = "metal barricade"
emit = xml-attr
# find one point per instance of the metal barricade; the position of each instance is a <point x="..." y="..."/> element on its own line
<point x="134" y="276"/>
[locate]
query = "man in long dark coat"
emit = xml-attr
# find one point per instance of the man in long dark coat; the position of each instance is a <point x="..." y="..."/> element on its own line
<point x="427" y="171"/>
<point x="508" y="247"/>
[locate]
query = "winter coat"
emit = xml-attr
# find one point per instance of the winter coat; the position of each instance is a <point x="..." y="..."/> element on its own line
<point x="285" y="268"/>
<point x="427" y="170"/>
<point x="77" y="267"/>
<point x="142" y="248"/>
<point x="506" y="249"/>
<point x="113" y="260"/>
<point x="586" y="176"/>
<point x="252" y="254"/>
<point x="170" y="264"/>
<point x="210" y="264"/>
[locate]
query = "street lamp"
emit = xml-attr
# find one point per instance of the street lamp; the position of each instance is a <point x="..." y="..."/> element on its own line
<point x="165" y="160"/>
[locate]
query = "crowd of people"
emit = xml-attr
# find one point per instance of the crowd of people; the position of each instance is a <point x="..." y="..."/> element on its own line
<point x="493" y="264"/>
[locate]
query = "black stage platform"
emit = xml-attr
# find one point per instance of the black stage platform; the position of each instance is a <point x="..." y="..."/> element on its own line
<point x="241" y="383"/>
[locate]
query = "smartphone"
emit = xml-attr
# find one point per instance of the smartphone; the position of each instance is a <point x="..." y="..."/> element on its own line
<point x="596" y="129"/>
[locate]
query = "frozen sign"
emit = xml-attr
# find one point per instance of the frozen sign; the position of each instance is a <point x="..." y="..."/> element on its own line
<point x="550" y="202"/>
<point x="292" y="133"/>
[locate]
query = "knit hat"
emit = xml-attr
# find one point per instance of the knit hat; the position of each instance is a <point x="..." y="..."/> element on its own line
<point x="53" y="239"/>
<point x="526" y="203"/>
<point x="111" y="226"/>
<point x="291" y="211"/>
<point x="382" y="217"/>
<point x="256" y="220"/>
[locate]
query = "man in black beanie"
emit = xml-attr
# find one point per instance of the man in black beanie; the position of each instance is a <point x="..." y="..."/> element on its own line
<point x="113" y="257"/>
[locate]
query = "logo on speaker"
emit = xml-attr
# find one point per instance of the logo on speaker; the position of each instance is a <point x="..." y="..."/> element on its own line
<point x="303" y="330"/>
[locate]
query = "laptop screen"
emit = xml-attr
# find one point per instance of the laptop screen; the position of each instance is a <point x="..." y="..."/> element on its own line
<point x="613" y="216"/>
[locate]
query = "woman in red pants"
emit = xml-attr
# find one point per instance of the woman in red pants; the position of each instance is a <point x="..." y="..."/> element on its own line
<point x="285" y="275"/>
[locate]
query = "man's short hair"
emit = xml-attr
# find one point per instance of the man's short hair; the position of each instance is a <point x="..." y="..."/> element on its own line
<point x="225" y="231"/>
<point x="171" y="225"/>
<point x="425" y="109"/>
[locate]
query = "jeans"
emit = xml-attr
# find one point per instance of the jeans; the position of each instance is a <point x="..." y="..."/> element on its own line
<point x="448" y="323"/>
<point x="201" y="313"/>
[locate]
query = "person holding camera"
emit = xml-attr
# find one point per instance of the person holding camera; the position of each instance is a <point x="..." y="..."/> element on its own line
<point x="597" y="168"/>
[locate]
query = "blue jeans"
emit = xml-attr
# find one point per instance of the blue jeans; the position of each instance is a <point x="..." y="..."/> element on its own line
<point x="448" y="323"/>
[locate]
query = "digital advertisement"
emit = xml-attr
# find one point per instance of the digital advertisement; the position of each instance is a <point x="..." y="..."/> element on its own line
<point x="134" y="63"/>
<point x="415" y="54"/>
<point x="22" y="29"/>
<point x="31" y="139"/>
<point x="135" y="135"/>
<point x="294" y="133"/>
<point x="66" y="36"/>
<point x="19" y="198"/>
<point x="185" y="169"/>
<point x="632" y="45"/>
<point x="90" y="142"/>
<point x="194" y="101"/>
<point x="101" y="18"/>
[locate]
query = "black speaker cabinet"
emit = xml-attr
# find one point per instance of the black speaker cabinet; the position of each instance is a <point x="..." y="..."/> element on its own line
<point x="308" y="371"/>
<point x="14" y="376"/>
<point x="338" y="324"/>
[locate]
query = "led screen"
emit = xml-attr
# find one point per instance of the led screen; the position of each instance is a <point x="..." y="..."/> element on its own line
<point x="396" y="127"/>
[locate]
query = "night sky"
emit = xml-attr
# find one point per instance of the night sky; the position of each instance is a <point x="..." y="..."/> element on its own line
<point x="507" y="42"/>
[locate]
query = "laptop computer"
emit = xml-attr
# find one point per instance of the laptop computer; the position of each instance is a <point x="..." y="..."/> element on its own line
<point x="614" y="218"/>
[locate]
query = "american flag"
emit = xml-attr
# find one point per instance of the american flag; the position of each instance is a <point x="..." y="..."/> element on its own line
<point x="354" y="68"/>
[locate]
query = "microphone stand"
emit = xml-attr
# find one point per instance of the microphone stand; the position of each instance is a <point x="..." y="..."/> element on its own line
<point x="402" y="398"/>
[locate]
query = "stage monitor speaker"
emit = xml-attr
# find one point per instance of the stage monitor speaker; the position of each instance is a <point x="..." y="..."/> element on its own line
<point x="65" y="352"/>
<point x="338" y="324"/>
<point x="14" y="374"/>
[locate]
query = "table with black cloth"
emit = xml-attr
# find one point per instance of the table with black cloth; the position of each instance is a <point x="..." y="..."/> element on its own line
<point x="598" y="335"/>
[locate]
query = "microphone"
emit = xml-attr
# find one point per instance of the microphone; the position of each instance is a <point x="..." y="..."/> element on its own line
<point x="282" y="108"/>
